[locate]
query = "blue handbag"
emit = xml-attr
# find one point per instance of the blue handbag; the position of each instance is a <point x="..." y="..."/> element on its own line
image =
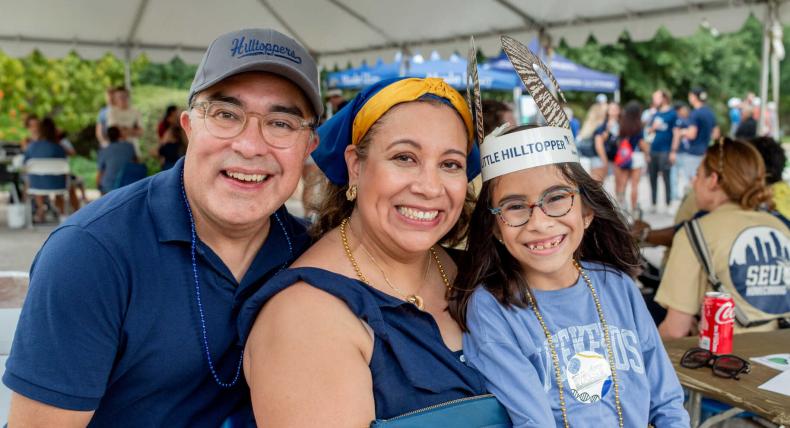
<point x="481" y="411"/>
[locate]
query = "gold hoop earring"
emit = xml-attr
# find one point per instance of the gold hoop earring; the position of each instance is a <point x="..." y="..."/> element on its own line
<point x="351" y="193"/>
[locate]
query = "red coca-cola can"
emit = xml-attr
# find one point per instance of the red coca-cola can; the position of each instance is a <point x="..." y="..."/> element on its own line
<point x="716" y="322"/>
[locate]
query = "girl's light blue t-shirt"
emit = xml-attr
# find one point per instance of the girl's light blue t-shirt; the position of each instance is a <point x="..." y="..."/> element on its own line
<point x="509" y="347"/>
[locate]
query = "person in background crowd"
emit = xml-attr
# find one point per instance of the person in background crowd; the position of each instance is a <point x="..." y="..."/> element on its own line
<point x="596" y="114"/>
<point x="495" y="114"/>
<point x="702" y="129"/>
<point x="46" y="147"/>
<point x="661" y="157"/>
<point x="730" y="185"/>
<point x="605" y="137"/>
<point x="573" y="121"/>
<point x="75" y="181"/>
<point x="680" y="144"/>
<point x="734" y="110"/>
<point x="169" y="119"/>
<point x="110" y="332"/>
<point x="172" y="146"/>
<point x="748" y="126"/>
<point x="101" y="118"/>
<point x="630" y="159"/>
<point x="126" y="118"/>
<point x="112" y="159"/>
<point x="336" y="100"/>
<point x="33" y="127"/>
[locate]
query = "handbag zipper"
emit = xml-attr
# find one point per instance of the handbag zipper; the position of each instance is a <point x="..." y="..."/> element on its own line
<point x="437" y="406"/>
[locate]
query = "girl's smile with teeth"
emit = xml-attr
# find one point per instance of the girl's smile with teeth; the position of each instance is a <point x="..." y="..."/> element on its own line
<point x="542" y="245"/>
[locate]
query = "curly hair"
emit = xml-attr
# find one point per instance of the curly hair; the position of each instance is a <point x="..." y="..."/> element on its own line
<point x="333" y="207"/>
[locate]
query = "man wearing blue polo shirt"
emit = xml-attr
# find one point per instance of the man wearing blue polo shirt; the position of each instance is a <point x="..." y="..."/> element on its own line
<point x="701" y="130"/>
<point x="130" y="316"/>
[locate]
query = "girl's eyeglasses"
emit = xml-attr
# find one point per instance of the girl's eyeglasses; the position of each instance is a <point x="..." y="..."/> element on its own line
<point x="553" y="203"/>
<point x="727" y="366"/>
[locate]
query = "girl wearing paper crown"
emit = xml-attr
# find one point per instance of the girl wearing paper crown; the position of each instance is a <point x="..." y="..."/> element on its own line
<point x="358" y="329"/>
<point x="553" y="320"/>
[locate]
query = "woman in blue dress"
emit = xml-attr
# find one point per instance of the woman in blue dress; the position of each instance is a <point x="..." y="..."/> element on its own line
<point x="358" y="329"/>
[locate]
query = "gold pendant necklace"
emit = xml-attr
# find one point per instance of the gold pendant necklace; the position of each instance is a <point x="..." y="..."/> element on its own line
<point x="556" y="360"/>
<point x="414" y="299"/>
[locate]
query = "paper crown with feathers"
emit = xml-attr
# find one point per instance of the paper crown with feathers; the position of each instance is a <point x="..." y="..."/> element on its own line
<point x="527" y="148"/>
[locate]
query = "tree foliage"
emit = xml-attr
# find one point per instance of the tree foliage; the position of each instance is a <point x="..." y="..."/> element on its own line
<point x="725" y="65"/>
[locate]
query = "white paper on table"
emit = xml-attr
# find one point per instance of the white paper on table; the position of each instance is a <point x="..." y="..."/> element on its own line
<point x="779" y="384"/>
<point x="774" y="361"/>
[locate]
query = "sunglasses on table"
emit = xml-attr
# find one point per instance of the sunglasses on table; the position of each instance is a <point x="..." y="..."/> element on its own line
<point x="726" y="366"/>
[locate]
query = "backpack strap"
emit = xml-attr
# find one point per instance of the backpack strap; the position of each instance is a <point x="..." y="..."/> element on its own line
<point x="697" y="241"/>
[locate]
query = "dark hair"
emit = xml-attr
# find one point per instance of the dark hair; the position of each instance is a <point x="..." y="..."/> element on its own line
<point x="773" y="155"/>
<point x="29" y="118"/>
<point x="492" y="115"/>
<point x="168" y="111"/>
<point x="631" y="119"/>
<point x="113" y="134"/>
<point x="48" y="131"/>
<point x="741" y="172"/>
<point x="699" y="93"/>
<point x="334" y="207"/>
<point x="607" y="240"/>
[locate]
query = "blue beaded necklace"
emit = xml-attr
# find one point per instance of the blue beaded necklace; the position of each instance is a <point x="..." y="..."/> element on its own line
<point x="197" y="290"/>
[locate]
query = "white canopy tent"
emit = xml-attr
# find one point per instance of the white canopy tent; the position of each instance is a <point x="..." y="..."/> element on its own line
<point x="339" y="32"/>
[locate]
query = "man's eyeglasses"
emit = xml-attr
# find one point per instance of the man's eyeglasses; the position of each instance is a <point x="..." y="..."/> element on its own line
<point x="226" y="120"/>
<point x="727" y="366"/>
<point x="553" y="203"/>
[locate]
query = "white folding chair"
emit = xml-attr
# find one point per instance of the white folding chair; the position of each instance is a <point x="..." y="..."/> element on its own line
<point x="58" y="167"/>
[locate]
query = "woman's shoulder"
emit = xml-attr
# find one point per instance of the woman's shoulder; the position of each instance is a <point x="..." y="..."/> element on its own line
<point x="299" y="288"/>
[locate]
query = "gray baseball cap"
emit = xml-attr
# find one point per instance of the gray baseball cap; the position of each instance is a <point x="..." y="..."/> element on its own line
<point x="258" y="49"/>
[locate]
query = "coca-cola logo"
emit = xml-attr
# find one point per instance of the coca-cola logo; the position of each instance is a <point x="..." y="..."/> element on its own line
<point x="726" y="313"/>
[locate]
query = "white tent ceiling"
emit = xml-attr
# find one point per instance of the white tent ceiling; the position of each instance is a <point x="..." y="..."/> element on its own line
<point x="343" y="31"/>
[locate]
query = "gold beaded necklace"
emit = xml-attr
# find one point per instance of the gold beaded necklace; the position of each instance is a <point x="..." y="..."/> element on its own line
<point x="556" y="360"/>
<point x="414" y="299"/>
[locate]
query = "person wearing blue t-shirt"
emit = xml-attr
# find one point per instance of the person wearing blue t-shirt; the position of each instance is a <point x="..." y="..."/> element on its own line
<point x="113" y="159"/>
<point x="701" y="131"/>
<point x="552" y="318"/>
<point x="130" y="319"/>
<point x="46" y="147"/>
<point x="101" y="118"/>
<point x="661" y="156"/>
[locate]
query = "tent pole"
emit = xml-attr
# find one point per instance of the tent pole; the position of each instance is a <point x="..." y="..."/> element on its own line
<point x="777" y="55"/>
<point x="127" y="69"/>
<point x="765" y="69"/>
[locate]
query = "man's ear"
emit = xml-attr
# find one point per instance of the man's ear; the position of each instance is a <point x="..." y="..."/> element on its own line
<point x="186" y="123"/>
<point x="353" y="163"/>
<point x="312" y="144"/>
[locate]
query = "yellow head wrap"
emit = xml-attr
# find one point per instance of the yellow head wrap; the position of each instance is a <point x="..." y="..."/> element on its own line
<point x="404" y="91"/>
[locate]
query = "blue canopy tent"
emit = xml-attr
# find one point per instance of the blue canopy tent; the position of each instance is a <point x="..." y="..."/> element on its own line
<point x="452" y="70"/>
<point x="570" y="76"/>
<point x="364" y="75"/>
